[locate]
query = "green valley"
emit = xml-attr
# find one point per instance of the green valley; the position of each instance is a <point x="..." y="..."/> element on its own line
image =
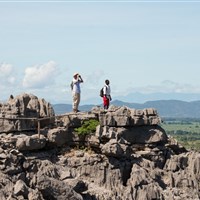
<point x="185" y="130"/>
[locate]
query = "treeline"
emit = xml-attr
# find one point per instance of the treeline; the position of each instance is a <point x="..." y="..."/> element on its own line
<point x="170" y="120"/>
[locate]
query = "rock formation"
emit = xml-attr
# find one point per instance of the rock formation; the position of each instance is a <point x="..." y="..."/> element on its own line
<point x="20" y="113"/>
<point x="128" y="157"/>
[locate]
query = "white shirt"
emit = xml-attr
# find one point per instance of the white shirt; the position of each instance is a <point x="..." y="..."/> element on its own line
<point x="76" y="86"/>
<point x="106" y="90"/>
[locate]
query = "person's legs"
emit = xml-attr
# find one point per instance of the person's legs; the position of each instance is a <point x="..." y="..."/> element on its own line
<point x="108" y="103"/>
<point x="76" y="101"/>
<point x="105" y="102"/>
<point x="75" y="98"/>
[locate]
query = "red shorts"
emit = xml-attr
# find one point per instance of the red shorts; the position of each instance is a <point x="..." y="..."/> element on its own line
<point x="106" y="101"/>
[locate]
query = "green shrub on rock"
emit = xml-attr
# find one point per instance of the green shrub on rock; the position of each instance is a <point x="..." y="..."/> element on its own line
<point x="87" y="127"/>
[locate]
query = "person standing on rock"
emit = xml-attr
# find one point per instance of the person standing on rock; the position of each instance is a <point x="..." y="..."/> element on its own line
<point x="106" y="94"/>
<point x="76" y="91"/>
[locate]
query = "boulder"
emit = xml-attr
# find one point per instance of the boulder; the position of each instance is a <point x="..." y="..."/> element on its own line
<point x="58" y="136"/>
<point x="29" y="143"/>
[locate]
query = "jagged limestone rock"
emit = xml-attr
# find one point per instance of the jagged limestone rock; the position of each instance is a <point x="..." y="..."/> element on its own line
<point x="57" y="136"/>
<point x="24" y="106"/>
<point x="128" y="157"/>
<point x="33" y="142"/>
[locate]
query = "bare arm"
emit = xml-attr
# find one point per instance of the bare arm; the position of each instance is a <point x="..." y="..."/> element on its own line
<point x="80" y="79"/>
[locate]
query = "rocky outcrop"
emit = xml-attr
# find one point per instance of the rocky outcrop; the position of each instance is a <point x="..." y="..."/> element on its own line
<point x="128" y="157"/>
<point x="20" y="113"/>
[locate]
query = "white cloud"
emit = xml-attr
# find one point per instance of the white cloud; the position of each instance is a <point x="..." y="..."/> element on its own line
<point x="167" y="86"/>
<point x="5" y="69"/>
<point x="7" y="73"/>
<point x="171" y="86"/>
<point x="40" y="76"/>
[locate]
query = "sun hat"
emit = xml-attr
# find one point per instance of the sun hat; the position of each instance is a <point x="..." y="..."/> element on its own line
<point x="75" y="74"/>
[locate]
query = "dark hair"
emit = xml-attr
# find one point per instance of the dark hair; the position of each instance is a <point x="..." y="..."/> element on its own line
<point x="107" y="82"/>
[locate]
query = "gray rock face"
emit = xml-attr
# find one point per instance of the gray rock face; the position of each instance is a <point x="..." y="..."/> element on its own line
<point x="125" y="117"/>
<point x="31" y="143"/>
<point x="128" y="157"/>
<point x="14" y="113"/>
<point x="57" y="136"/>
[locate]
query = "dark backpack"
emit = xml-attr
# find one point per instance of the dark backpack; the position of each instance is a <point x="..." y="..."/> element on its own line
<point x="101" y="92"/>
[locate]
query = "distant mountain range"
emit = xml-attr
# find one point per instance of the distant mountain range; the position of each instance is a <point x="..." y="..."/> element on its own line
<point x="138" y="97"/>
<point x="165" y="108"/>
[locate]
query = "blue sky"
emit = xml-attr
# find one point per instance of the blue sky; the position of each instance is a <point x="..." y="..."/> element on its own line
<point x="146" y="47"/>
